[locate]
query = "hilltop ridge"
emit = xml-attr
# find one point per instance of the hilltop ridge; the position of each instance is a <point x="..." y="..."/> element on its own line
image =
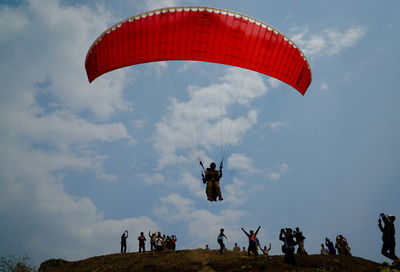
<point x="210" y="261"/>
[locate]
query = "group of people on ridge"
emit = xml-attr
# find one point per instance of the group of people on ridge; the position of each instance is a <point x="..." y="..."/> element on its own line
<point x="341" y="246"/>
<point x="157" y="242"/>
<point x="290" y="239"/>
<point x="254" y="243"/>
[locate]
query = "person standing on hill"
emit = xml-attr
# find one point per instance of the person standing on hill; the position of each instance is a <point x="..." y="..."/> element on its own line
<point x="220" y="241"/>
<point x="324" y="251"/>
<point x="252" y="241"/>
<point x="152" y="237"/>
<point x="298" y="235"/>
<point x="342" y="246"/>
<point x="173" y="242"/>
<point x="265" y="250"/>
<point x="159" y="242"/>
<point x="330" y="246"/>
<point x="123" y="241"/>
<point x="142" y="240"/>
<point x="388" y="232"/>
<point x="286" y="236"/>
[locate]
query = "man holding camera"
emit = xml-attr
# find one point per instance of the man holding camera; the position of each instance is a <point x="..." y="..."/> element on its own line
<point x="389" y="242"/>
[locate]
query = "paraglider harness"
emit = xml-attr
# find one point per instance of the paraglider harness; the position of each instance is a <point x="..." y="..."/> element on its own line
<point x="203" y="176"/>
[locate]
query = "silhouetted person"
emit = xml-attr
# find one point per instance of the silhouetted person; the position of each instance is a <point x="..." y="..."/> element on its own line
<point x="159" y="242"/>
<point x="298" y="235"/>
<point x="123" y="241"/>
<point x="211" y="176"/>
<point x="252" y="241"/>
<point x="342" y="246"/>
<point x="173" y="242"/>
<point x="142" y="240"/>
<point x="220" y="241"/>
<point x="324" y="251"/>
<point x="236" y="248"/>
<point x="388" y="232"/>
<point x="168" y="242"/>
<point x="286" y="236"/>
<point x="152" y="240"/>
<point x="265" y="250"/>
<point x="330" y="246"/>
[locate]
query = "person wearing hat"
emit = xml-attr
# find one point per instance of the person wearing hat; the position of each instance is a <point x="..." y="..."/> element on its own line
<point x="389" y="242"/>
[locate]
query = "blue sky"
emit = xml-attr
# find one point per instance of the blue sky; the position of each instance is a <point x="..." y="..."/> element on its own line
<point x="81" y="162"/>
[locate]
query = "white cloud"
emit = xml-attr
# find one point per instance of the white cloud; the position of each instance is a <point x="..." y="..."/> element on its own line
<point x="275" y="125"/>
<point x="275" y="175"/>
<point x="179" y="209"/>
<point x="327" y="43"/>
<point x="159" y="67"/>
<point x="242" y="163"/>
<point x="193" y="184"/>
<point x="138" y="124"/>
<point x="236" y="192"/>
<point x="156" y="4"/>
<point x="156" y="178"/>
<point x="11" y="23"/>
<point x="41" y="138"/>
<point x="186" y="66"/>
<point x="204" y="120"/>
<point x="50" y="31"/>
<point x="324" y="86"/>
<point x="289" y="16"/>
<point x="31" y="192"/>
<point x="273" y="82"/>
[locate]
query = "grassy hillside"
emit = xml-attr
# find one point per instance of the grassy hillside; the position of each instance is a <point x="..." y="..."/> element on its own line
<point x="212" y="260"/>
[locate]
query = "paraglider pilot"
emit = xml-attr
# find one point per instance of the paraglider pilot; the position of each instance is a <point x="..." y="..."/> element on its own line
<point x="211" y="176"/>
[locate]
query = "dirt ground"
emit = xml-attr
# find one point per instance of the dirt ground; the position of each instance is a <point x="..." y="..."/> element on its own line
<point x="210" y="261"/>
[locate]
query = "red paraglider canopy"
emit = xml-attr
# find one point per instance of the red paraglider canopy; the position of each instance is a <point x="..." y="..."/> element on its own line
<point x="202" y="34"/>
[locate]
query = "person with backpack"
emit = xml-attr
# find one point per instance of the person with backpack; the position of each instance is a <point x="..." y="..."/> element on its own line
<point x="252" y="241"/>
<point x="286" y="236"/>
<point x="220" y="241"/>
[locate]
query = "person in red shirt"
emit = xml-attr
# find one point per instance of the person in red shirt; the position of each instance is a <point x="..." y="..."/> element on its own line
<point x="142" y="239"/>
<point x="173" y="242"/>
